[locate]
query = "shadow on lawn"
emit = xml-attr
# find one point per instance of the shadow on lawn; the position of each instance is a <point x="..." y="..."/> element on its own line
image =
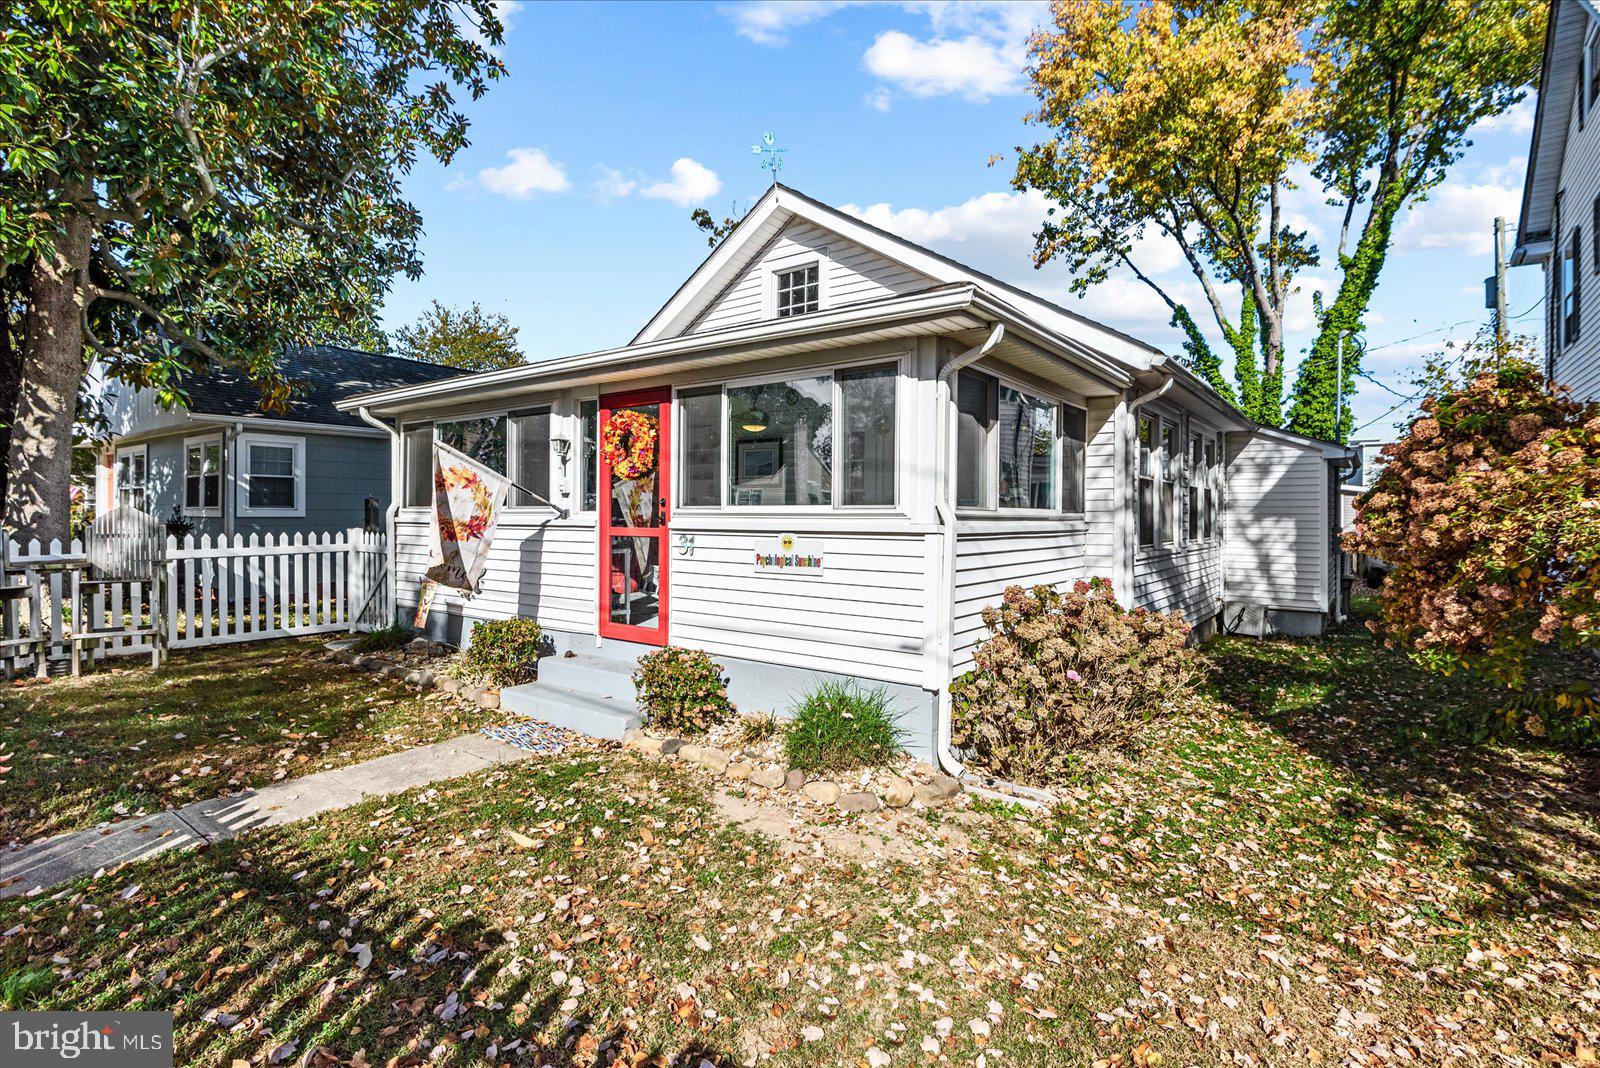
<point x="235" y="930"/>
<point x="1534" y="814"/>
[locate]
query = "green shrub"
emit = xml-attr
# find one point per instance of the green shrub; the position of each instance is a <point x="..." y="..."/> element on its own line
<point x="384" y="639"/>
<point x="841" y="725"/>
<point x="504" y="652"/>
<point x="25" y="989"/>
<point x="681" y="690"/>
<point x="1066" y="672"/>
<point x="1563" y="716"/>
<point x="757" y="727"/>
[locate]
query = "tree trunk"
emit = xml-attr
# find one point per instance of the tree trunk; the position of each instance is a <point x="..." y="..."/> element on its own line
<point x="39" y="460"/>
<point x="12" y="289"/>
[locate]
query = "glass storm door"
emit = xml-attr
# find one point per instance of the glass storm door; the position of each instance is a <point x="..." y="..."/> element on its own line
<point x="635" y="443"/>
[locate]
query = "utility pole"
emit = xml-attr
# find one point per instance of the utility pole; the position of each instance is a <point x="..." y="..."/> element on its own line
<point x="1499" y="289"/>
<point x="1338" y="393"/>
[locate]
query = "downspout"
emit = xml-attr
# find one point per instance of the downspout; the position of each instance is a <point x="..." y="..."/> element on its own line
<point x="945" y="511"/>
<point x="396" y="489"/>
<point x="1145" y="398"/>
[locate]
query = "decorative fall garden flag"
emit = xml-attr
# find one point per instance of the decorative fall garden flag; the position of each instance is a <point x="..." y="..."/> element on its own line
<point x="467" y="500"/>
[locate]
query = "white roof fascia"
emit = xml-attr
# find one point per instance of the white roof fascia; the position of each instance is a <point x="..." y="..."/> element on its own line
<point x="1328" y="450"/>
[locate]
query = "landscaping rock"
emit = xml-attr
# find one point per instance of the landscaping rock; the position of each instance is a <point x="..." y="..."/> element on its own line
<point x="449" y="683"/>
<point x="897" y="792"/>
<point x="421" y="678"/>
<point x="438" y="649"/>
<point x="632" y="737"/>
<point x="740" y="770"/>
<point x="821" y="791"/>
<point x="941" y="788"/>
<point x="793" y="780"/>
<point x="769" y="776"/>
<point x="690" y="753"/>
<point x="473" y="690"/>
<point x="859" y="802"/>
<point x="370" y="663"/>
<point x="419" y="645"/>
<point x="713" y="759"/>
<point x="651" y="745"/>
<point x="489" y="699"/>
<point x="671" y="746"/>
<point x="397" y="672"/>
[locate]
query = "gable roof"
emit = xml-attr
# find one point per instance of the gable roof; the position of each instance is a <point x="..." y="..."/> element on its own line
<point x="781" y="204"/>
<point x="1558" y="77"/>
<point x="327" y="373"/>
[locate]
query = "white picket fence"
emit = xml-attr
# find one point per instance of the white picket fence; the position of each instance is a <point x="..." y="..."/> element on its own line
<point x="216" y="590"/>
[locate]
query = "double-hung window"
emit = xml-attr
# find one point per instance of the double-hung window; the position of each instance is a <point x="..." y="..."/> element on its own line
<point x="813" y="441"/>
<point x="1149" y="457"/>
<point x="1074" y="451"/>
<point x="1016" y="450"/>
<point x="1027" y="444"/>
<point x="1171" y="461"/>
<point x="977" y="410"/>
<point x="271" y="475"/>
<point x="530" y="445"/>
<point x="1194" y="476"/>
<point x="1210" y="490"/>
<point x="130" y="479"/>
<point x="515" y="444"/>
<point x="799" y="291"/>
<point x="589" y="421"/>
<point x="1571" y="308"/>
<point x="202" y="476"/>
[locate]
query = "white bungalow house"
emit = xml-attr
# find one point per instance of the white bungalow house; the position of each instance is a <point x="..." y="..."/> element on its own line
<point x="862" y="444"/>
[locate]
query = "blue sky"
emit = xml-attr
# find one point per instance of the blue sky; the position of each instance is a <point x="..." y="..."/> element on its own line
<point x="570" y="211"/>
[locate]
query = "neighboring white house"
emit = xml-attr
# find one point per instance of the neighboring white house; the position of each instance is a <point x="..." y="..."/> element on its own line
<point x="1560" y="224"/>
<point x="224" y="466"/>
<point x="863" y="443"/>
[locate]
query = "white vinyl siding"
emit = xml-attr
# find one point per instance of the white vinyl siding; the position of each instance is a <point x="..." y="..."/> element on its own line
<point x="1100" y="490"/>
<point x="1577" y="363"/>
<point x="1276" y="548"/>
<point x="848" y="273"/>
<point x="865" y="615"/>
<point x="1187" y="580"/>
<point x="994" y="554"/>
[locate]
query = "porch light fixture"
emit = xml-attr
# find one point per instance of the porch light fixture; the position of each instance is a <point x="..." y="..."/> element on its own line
<point x="756" y="424"/>
<point x="563" y="447"/>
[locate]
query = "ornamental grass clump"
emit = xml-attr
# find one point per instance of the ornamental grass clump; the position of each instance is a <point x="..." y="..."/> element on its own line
<point x="504" y="652"/>
<point x="1063" y="673"/>
<point x="842" y="725"/>
<point x="681" y="690"/>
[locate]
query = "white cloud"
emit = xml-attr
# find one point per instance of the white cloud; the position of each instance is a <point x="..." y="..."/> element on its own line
<point x="506" y="10"/>
<point x="530" y="171"/>
<point x="613" y="184"/>
<point x="878" y="100"/>
<point x="691" y="183"/>
<point x="768" y="22"/>
<point x="1459" y="213"/>
<point x="969" y="66"/>
<point x="1517" y="119"/>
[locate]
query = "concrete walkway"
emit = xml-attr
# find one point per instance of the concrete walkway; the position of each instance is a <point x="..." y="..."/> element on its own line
<point x="43" y="864"/>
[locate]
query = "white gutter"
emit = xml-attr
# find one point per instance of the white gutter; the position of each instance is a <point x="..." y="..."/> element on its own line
<point x="944" y="509"/>
<point x="396" y="489"/>
<point x="1144" y="398"/>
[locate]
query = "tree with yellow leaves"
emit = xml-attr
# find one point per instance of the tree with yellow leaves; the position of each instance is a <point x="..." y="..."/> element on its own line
<point x="1193" y="122"/>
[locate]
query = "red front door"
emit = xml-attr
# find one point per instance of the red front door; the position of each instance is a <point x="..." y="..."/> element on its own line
<point x="634" y="485"/>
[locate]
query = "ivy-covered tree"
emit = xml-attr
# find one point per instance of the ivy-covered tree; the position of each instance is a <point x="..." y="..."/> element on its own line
<point x="189" y="182"/>
<point x="1192" y="121"/>
<point x="468" y="338"/>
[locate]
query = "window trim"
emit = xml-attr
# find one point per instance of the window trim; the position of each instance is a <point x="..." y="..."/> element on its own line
<point x="773" y="285"/>
<point x="199" y="510"/>
<point x="116" y="474"/>
<point x="514" y="456"/>
<point x="1591" y="53"/>
<point x="1189" y="429"/>
<point x="893" y="360"/>
<point x="560" y="421"/>
<point x="1572" y="322"/>
<point x="243" y="444"/>
<point x="1061" y="438"/>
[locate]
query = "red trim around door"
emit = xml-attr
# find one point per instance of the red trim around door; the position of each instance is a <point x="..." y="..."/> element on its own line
<point x="649" y="635"/>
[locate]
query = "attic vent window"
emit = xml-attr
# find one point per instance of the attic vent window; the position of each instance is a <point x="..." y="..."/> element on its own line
<point x="797" y="291"/>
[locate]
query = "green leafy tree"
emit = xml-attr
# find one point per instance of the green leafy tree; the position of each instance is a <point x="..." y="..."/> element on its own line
<point x="468" y="338"/>
<point x="715" y="231"/>
<point x="1193" y="121"/>
<point x="189" y="182"/>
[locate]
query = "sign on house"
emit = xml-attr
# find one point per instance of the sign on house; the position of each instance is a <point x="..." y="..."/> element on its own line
<point x="789" y="555"/>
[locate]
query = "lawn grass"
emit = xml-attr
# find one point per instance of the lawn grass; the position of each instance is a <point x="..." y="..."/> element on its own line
<point x="1306" y="873"/>
<point x="126" y="740"/>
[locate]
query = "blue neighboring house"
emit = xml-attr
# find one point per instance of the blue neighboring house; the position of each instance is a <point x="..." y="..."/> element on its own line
<point x="226" y="467"/>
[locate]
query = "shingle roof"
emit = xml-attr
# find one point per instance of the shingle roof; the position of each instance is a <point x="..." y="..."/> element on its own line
<point x="326" y="373"/>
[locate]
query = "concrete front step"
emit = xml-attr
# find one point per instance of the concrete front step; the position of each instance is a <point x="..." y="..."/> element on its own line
<point x="578" y="710"/>
<point x="590" y="673"/>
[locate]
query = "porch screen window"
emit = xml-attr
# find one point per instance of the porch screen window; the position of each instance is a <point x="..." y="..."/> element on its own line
<point x="531" y="434"/>
<point x="483" y="439"/>
<point x="1570" y="307"/>
<point x="1212" y="481"/>
<point x="1027" y="427"/>
<point x="866" y="436"/>
<point x="131" y="478"/>
<point x="589" y="416"/>
<point x="700" y="414"/>
<point x="780" y="437"/>
<point x="1171" y="461"/>
<point x="798" y="292"/>
<point x="1594" y="68"/>
<point x="1147" y="486"/>
<point x="977" y="401"/>
<point x="417" y="456"/>
<point x="202" y="476"/>
<point x="1194" y="477"/>
<point x="1074" y="449"/>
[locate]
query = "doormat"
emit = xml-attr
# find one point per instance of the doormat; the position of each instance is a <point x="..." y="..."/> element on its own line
<point x="543" y="738"/>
